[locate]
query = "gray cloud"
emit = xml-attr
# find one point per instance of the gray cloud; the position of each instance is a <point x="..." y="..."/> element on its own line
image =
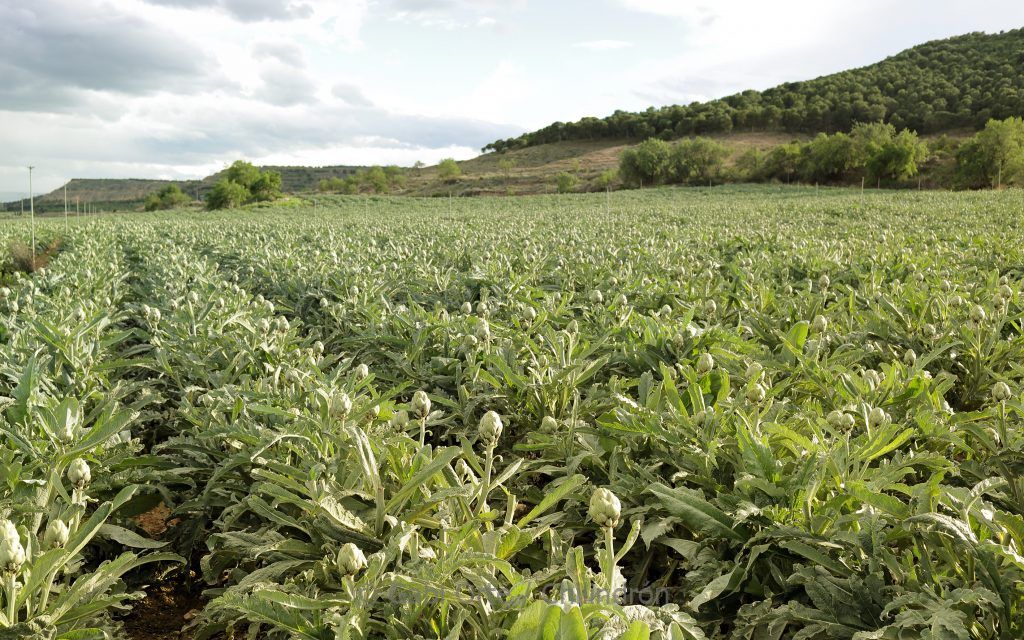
<point x="247" y="10"/>
<point x="351" y="94"/>
<point x="449" y="14"/>
<point x="285" y="86"/>
<point x="53" y="52"/>
<point x="214" y="134"/>
<point x="285" y="81"/>
<point x="284" y="52"/>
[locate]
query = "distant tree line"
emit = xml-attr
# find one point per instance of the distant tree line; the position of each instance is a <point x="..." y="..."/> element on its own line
<point x="958" y="83"/>
<point x="875" y="152"/>
<point x="374" y="179"/>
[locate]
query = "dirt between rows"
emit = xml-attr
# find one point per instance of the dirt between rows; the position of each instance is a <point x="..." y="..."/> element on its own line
<point x="167" y="608"/>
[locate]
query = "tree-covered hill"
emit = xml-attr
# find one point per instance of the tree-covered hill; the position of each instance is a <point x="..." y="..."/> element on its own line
<point x="943" y="85"/>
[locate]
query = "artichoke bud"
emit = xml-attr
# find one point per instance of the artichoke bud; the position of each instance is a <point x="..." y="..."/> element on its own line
<point x="605" y="508"/>
<point x="79" y="474"/>
<point x="1001" y="392"/>
<point x="56" y="535"/>
<point x="490" y="428"/>
<point x="421" y="404"/>
<point x="705" y="363"/>
<point x="351" y="559"/>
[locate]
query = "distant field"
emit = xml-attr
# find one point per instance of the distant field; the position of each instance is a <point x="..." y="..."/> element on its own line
<point x="746" y="412"/>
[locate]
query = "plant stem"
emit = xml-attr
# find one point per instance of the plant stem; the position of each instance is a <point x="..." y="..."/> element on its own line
<point x="423" y="431"/>
<point x="45" y="597"/>
<point x="12" y="597"/>
<point x="485" y="488"/>
<point x="609" y="564"/>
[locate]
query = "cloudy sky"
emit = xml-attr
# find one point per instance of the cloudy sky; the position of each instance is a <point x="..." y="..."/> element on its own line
<point x="178" y="88"/>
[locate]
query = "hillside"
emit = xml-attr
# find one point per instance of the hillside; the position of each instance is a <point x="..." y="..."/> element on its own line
<point x="532" y="170"/>
<point x="121" y="194"/>
<point x="943" y="85"/>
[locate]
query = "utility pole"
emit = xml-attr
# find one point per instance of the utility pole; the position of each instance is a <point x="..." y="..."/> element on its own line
<point x="78" y="210"/>
<point x="32" y="214"/>
<point x="65" y="209"/>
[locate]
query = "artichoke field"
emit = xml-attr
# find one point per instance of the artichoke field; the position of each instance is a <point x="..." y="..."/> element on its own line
<point x="675" y="414"/>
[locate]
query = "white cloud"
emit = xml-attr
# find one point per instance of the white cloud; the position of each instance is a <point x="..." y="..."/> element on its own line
<point x="603" y="45"/>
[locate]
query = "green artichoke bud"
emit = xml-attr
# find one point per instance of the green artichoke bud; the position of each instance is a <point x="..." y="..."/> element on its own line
<point x="351" y="559"/>
<point x="756" y="394"/>
<point x="399" y="419"/>
<point x="490" y="428"/>
<point x="548" y="425"/>
<point x="910" y="357"/>
<point x="56" y="535"/>
<point x="420" y="404"/>
<point x="78" y="474"/>
<point x="605" y="508"/>
<point x="1001" y="392"/>
<point x="341" y="405"/>
<point x="12" y="553"/>
<point x="820" y="324"/>
<point x="705" y="363"/>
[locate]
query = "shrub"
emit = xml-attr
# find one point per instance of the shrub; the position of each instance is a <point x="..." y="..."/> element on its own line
<point x="565" y="182"/>
<point x="226" y="194"/>
<point x="168" y="197"/>
<point x="448" y="170"/>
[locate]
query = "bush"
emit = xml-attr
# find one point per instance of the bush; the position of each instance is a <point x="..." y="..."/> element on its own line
<point x="646" y="163"/>
<point x="266" y="187"/>
<point x="606" y="179"/>
<point x="697" y="161"/>
<point x="448" y="170"/>
<point x="332" y="185"/>
<point x="243" y="173"/>
<point x="565" y="182"/>
<point x="993" y="157"/>
<point x="226" y="194"/>
<point x="243" y="183"/>
<point x="168" y="197"/>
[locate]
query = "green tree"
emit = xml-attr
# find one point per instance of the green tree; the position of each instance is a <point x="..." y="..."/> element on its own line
<point x="898" y="158"/>
<point x="994" y="157"/>
<point x="647" y="163"/>
<point x="375" y="179"/>
<point x="750" y="165"/>
<point x="168" y="197"/>
<point x="783" y="161"/>
<point x="395" y="176"/>
<point x="226" y="194"/>
<point x="266" y="187"/>
<point x="243" y="173"/>
<point x="827" y="158"/>
<point x="448" y="170"/>
<point x="697" y="161"/>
